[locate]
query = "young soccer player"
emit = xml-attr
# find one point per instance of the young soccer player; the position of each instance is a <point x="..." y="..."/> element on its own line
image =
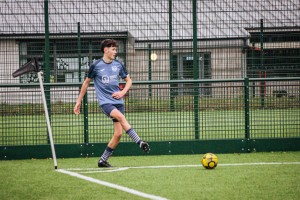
<point x="106" y="72"/>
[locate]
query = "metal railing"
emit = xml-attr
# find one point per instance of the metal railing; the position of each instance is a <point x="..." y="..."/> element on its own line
<point x="232" y="109"/>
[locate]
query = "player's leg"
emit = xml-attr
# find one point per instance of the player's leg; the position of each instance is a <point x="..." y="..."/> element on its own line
<point x="117" y="135"/>
<point x="116" y="112"/>
<point x="113" y="143"/>
<point x="118" y="115"/>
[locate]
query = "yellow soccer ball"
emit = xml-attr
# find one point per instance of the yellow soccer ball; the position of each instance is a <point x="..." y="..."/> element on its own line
<point x="209" y="161"/>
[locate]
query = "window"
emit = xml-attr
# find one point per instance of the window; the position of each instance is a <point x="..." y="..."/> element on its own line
<point x="275" y="36"/>
<point x="64" y="60"/>
<point x="275" y="62"/>
<point x="282" y="62"/>
<point x="183" y="69"/>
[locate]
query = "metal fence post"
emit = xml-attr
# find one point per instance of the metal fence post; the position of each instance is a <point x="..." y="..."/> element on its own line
<point x="247" y="114"/>
<point x="196" y="70"/>
<point x="47" y="48"/>
<point x="247" y="108"/>
<point x="149" y="70"/>
<point x="172" y="93"/>
<point x="47" y="60"/>
<point x="86" y="120"/>
<point x="85" y="99"/>
<point x="262" y="65"/>
<point x="79" y="51"/>
<point x="253" y="64"/>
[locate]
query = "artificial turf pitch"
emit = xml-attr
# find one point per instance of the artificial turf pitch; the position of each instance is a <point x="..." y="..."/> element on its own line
<point x="238" y="176"/>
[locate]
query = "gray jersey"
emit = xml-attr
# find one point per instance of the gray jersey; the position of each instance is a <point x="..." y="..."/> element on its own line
<point x="106" y="80"/>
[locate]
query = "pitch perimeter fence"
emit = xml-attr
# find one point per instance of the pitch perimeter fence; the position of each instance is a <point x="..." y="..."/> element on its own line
<point x="218" y="75"/>
<point x="235" y="117"/>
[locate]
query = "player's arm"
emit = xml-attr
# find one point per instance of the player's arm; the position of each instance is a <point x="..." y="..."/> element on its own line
<point x="118" y="95"/>
<point x="127" y="85"/>
<point x="84" y="87"/>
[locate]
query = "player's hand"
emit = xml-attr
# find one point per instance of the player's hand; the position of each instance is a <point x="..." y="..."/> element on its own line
<point x="118" y="95"/>
<point x="77" y="109"/>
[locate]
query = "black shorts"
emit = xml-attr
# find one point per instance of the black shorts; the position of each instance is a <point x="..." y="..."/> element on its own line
<point x="107" y="108"/>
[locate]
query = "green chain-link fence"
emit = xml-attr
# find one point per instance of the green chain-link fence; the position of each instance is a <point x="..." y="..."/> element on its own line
<point x="203" y="71"/>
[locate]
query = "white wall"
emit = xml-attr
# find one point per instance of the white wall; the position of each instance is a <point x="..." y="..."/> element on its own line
<point x="9" y="60"/>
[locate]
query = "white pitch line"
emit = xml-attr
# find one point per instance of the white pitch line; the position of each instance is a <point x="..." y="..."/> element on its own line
<point x="112" y="185"/>
<point x="223" y="165"/>
<point x="105" y="170"/>
<point x="261" y="163"/>
<point x="114" y="169"/>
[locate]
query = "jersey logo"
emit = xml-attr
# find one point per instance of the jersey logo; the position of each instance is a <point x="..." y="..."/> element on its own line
<point x="114" y="68"/>
<point x="105" y="79"/>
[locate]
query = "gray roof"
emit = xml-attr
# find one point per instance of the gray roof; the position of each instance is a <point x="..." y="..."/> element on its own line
<point x="148" y="19"/>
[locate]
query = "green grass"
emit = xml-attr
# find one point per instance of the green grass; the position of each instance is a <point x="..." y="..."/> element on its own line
<point x="36" y="179"/>
<point x="152" y="126"/>
<point x="160" y="104"/>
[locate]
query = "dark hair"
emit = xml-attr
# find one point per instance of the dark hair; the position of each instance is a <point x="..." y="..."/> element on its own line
<point x="107" y="43"/>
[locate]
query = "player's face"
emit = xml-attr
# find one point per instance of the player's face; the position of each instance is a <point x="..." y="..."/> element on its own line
<point x="110" y="52"/>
